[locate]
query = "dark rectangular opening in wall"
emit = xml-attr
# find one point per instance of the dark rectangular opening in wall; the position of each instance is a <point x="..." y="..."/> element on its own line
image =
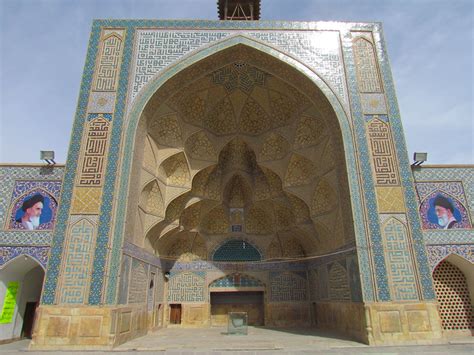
<point x="251" y="302"/>
<point x="29" y="319"/>
<point x="175" y="314"/>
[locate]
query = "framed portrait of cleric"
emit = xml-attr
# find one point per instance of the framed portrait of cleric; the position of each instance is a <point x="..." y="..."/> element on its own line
<point x="34" y="205"/>
<point x="442" y="211"/>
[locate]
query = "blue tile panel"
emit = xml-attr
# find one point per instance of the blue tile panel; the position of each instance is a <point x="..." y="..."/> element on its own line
<point x="405" y="170"/>
<point x="100" y="257"/>
<point x="236" y="250"/>
<point x="236" y="280"/>
<point x="39" y="254"/>
<point x="52" y="273"/>
<point x="382" y="289"/>
<point x="437" y="253"/>
<point x="17" y="180"/>
<point x="96" y="295"/>
<point x="463" y="174"/>
<point x="155" y="84"/>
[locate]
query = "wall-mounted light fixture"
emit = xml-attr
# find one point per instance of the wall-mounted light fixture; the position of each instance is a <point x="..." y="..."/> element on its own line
<point x="47" y="156"/>
<point x="419" y="158"/>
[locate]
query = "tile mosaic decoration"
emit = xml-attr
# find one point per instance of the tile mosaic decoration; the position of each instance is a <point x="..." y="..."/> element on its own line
<point x="450" y="195"/>
<point x="186" y="287"/>
<point x="77" y="262"/>
<point x="8" y="253"/>
<point x="236" y="280"/>
<point x="86" y="200"/>
<point x="288" y="287"/>
<point x="27" y="194"/>
<point x="101" y="102"/>
<point x="450" y="174"/>
<point x="16" y="180"/>
<point x="124" y="280"/>
<point x="138" y="282"/>
<point x="437" y="253"/>
<point x="373" y="104"/>
<point x="151" y="88"/>
<point x="157" y="49"/>
<point x="109" y="58"/>
<point x="94" y="153"/>
<point x="390" y="199"/>
<point x="405" y="168"/>
<point x="96" y="296"/>
<point x="57" y="245"/>
<point x="338" y="282"/>
<point x="376" y="264"/>
<point x="18" y="237"/>
<point x="368" y="78"/>
<point x="399" y="265"/>
<point x="383" y="153"/>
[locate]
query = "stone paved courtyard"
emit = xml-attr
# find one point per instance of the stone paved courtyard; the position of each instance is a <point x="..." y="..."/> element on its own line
<point x="258" y="341"/>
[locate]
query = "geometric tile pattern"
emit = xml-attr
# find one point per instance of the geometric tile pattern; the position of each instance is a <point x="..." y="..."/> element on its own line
<point x="186" y="287"/>
<point x="125" y="168"/>
<point x="113" y="161"/>
<point x="338" y="283"/>
<point x="17" y="180"/>
<point x="138" y="282"/>
<point x="96" y="140"/>
<point x="399" y="264"/>
<point x="101" y="102"/>
<point x="436" y="253"/>
<point x="40" y="254"/>
<point x="86" y="200"/>
<point x="383" y="154"/>
<point x="406" y="174"/>
<point x="288" y="287"/>
<point x="366" y="66"/>
<point x="77" y="262"/>
<point x="157" y="49"/>
<point x="373" y="104"/>
<point x="236" y="280"/>
<point x="109" y="62"/>
<point x="390" y="199"/>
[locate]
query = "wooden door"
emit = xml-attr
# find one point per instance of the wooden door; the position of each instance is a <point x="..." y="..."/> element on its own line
<point x="175" y="313"/>
<point x="29" y="319"/>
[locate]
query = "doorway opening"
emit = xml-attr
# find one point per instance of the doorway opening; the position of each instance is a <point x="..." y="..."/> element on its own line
<point x="175" y="313"/>
<point x="22" y="278"/>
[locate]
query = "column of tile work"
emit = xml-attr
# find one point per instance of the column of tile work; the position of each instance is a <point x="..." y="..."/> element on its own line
<point x="90" y="174"/>
<point x="396" y="242"/>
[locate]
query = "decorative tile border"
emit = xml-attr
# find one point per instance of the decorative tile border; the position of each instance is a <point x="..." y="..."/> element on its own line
<point x="8" y="253"/>
<point x="437" y="253"/>
<point x="404" y="166"/>
<point x="153" y="86"/>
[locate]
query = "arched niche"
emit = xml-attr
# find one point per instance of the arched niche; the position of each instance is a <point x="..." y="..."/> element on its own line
<point x="216" y="102"/>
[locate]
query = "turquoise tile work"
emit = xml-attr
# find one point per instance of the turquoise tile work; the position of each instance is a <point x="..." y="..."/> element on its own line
<point x="277" y="39"/>
<point x="381" y="280"/>
<point x="236" y="280"/>
<point x="405" y="170"/>
<point x="236" y="250"/>
<point x="52" y="273"/>
<point x="152" y="87"/>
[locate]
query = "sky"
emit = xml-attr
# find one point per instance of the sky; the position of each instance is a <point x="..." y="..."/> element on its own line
<point x="43" y="46"/>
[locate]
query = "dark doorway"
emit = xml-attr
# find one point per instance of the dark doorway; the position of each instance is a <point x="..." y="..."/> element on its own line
<point x="175" y="314"/>
<point x="250" y="302"/>
<point x="29" y="319"/>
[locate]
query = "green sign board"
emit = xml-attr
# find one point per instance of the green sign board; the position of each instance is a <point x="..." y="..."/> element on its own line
<point x="9" y="303"/>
